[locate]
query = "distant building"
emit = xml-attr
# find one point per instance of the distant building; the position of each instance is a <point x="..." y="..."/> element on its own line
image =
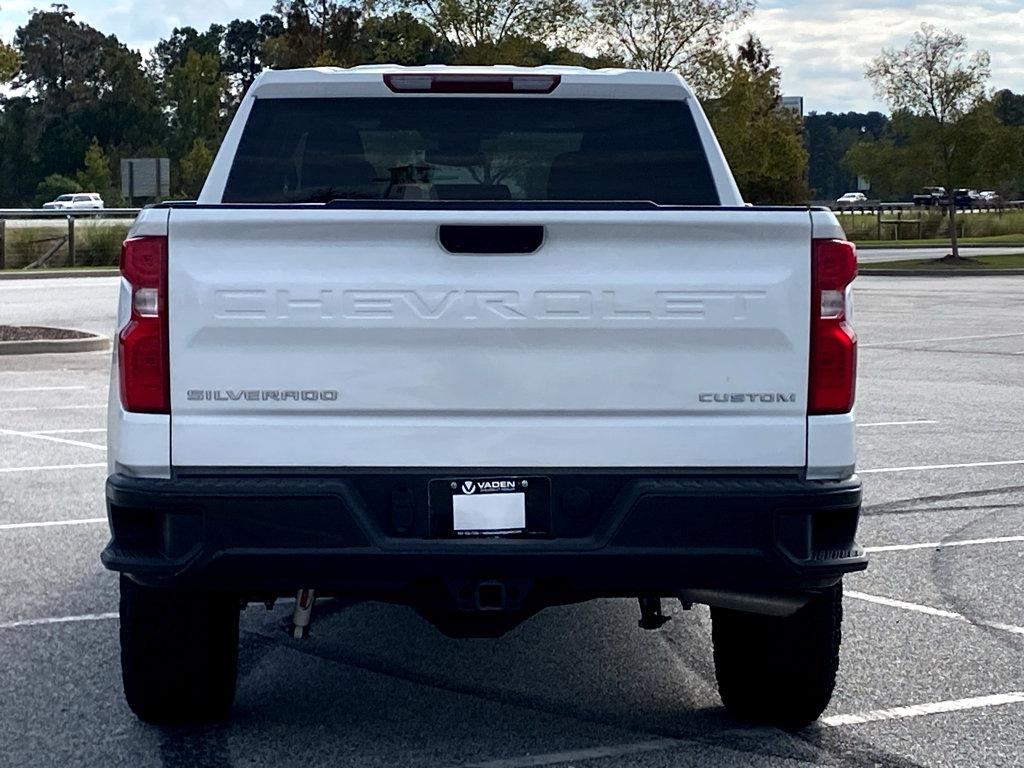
<point x="794" y="104"/>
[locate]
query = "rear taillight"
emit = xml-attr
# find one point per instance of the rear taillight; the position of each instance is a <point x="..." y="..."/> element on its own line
<point x="452" y="83"/>
<point x="142" y="351"/>
<point x="833" y="370"/>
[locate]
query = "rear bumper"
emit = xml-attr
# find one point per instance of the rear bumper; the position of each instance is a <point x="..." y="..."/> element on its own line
<point x="368" y="535"/>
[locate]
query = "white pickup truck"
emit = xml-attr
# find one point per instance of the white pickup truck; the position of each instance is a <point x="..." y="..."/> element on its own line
<point x="482" y="341"/>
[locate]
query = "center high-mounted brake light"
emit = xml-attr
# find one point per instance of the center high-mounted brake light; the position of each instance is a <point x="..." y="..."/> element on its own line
<point x="142" y="344"/>
<point x="452" y="83"/>
<point x="833" y="367"/>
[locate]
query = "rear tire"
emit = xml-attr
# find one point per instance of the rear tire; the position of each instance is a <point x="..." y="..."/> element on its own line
<point x="179" y="653"/>
<point x="779" y="670"/>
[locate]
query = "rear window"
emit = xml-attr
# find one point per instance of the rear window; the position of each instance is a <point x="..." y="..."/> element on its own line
<point x="470" y="149"/>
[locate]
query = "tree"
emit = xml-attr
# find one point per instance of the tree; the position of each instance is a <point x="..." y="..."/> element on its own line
<point x="401" y="38"/>
<point x="10" y="62"/>
<point x="1009" y="107"/>
<point x="316" y="33"/>
<point x="195" y="165"/>
<point x="243" y="48"/>
<point x="61" y="58"/>
<point x="173" y="52"/>
<point x="935" y="80"/>
<point x="827" y="138"/>
<point x="472" y="23"/>
<point x="761" y="141"/>
<point x="195" y="90"/>
<point x="681" y="35"/>
<point x="54" y="185"/>
<point x="95" y="174"/>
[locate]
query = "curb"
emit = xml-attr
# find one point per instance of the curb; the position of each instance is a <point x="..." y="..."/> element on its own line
<point x="91" y="343"/>
<point x="111" y="272"/>
<point x="981" y="271"/>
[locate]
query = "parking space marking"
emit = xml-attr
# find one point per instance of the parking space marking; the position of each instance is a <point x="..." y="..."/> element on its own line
<point x="999" y="463"/>
<point x="943" y="339"/>
<point x="55" y="408"/>
<point x="53" y="439"/>
<point x="58" y="620"/>
<point x="931" y="610"/>
<point x="45" y="524"/>
<point x="40" y="468"/>
<point x="42" y="389"/>
<point x="951" y="543"/>
<point x="586" y="754"/>
<point x="925" y="709"/>
<point x="848" y="719"/>
<point x="893" y="424"/>
<point x="67" y="430"/>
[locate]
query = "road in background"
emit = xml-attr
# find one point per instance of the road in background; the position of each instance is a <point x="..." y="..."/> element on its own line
<point x="869" y="255"/>
<point x="933" y="636"/>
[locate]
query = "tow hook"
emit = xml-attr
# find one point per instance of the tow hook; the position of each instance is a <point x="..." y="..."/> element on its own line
<point x="303" y="614"/>
<point x="651" y="617"/>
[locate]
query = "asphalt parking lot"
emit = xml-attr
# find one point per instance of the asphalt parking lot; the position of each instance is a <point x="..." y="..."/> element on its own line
<point x="932" y="670"/>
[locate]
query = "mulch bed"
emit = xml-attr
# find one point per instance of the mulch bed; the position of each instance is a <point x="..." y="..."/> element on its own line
<point x="34" y="333"/>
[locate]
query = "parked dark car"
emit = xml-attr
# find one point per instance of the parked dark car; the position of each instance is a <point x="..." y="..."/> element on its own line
<point x="931" y="196"/>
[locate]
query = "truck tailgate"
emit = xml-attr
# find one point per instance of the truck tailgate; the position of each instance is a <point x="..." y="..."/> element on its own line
<point x="319" y="337"/>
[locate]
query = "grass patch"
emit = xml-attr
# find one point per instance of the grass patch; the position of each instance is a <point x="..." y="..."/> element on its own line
<point x="995" y="261"/>
<point x="97" y="244"/>
<point x="934" y="225"/>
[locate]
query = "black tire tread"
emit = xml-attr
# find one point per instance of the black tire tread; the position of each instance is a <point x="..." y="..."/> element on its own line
<point x="179" y="653"/>
<point x="779" y="670"/>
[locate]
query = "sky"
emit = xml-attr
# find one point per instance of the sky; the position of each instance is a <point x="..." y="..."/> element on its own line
<point x="822" y="46"/>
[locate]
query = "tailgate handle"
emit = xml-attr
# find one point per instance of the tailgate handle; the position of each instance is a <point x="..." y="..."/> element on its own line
<point x="490" y="238"/>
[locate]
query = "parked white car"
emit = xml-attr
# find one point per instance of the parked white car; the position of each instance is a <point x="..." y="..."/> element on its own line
<point x="852" y="198"/>
<point x="76" y="201"/>
<point x="988" y="196"/>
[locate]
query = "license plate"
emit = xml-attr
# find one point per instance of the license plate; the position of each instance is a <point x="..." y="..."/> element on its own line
<point x="497" y="512"/>
<point x="468" y="507"/>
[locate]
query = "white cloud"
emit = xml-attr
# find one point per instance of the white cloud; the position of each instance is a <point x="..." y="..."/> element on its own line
<point x="822" y="48"/>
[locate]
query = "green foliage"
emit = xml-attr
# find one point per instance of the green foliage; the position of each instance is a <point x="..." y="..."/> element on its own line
<point x="195" y="165"/>
<point x="54" y="185"/>
<point x="828" y="137"/>
<point x="243" y="48"/>
<point x="468" y="24"/>
<point x="761" y="141"/>
<point x="95" y="174"/>
<point x="683" y="35"/>
<point x="315" y="33"/>
<point x="10" y="62"/>
<point x="195" y="91"/>
<point x="401" y="38"/>
<point x="1009" y="107"/>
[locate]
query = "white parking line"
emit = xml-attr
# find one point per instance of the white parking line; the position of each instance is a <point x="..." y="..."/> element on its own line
<point x="893" y="424"/>
<point x="39" y="468"/>
<point x="849" y="719"/>
<point x="931" y="610"/>
<point x="58" y="620"/>
<point x="924" y="709"/>
<point x="943" y="339"/>
<point x="71" y="430"/>
<point x="52" y="439"/>
<point x="45" y="524"/>
<point x="586" y="754"/>
<point x="1000" y="463"/>
<point x="42" y="389"/>
<point x="951" y="543"/>
<point x="55" y="408"/>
